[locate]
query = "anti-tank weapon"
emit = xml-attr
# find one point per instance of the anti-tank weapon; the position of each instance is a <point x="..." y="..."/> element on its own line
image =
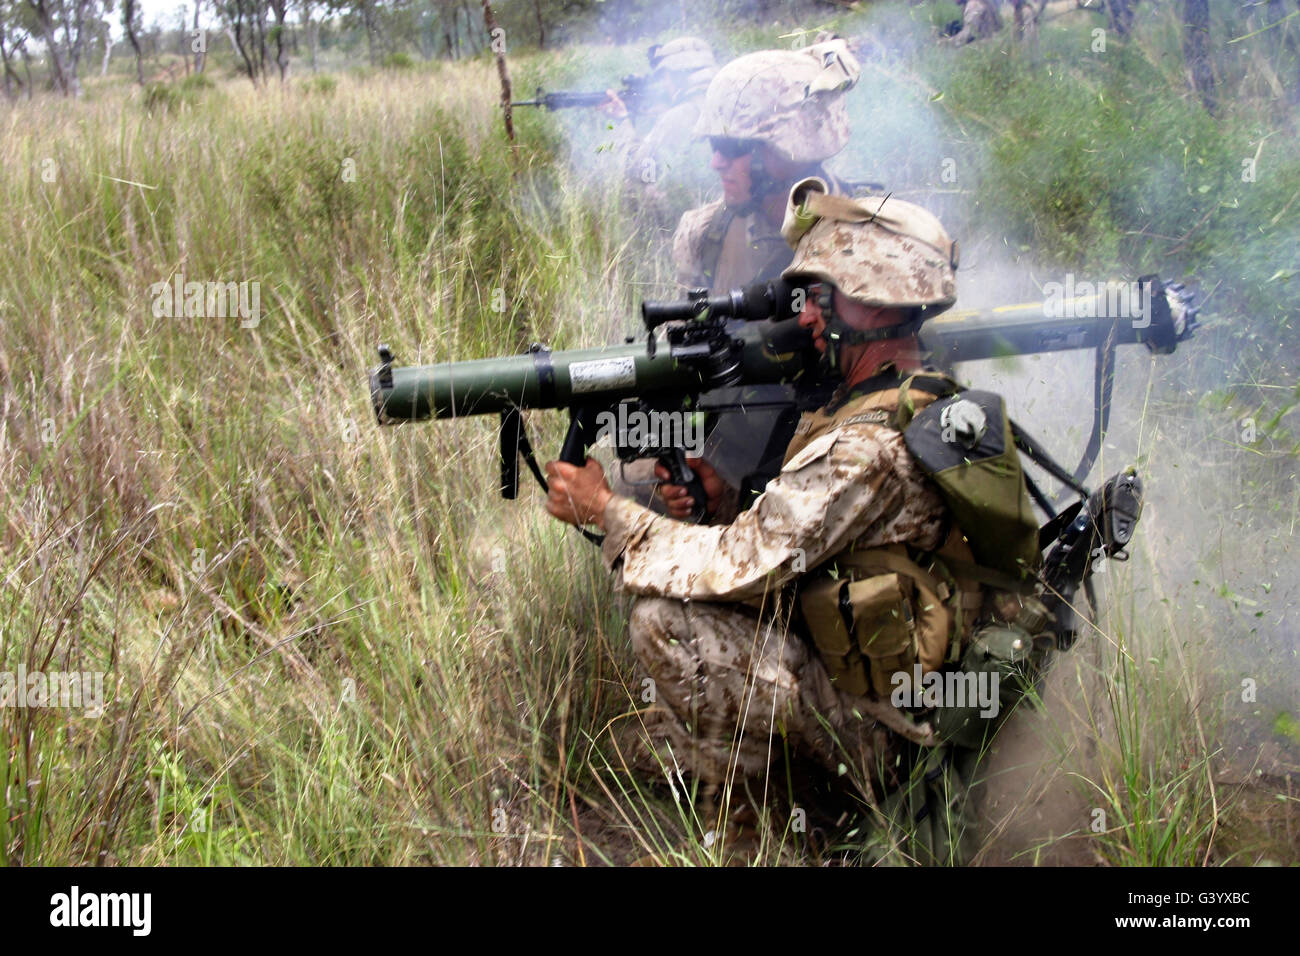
<point x="1099" y="524"/>
<point x="746" y="337"/>
<point x="749" y="336"/>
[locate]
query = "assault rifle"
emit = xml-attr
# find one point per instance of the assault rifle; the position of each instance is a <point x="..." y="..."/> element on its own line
<point x="638" y="93"/>
<point x="750" y="337"/>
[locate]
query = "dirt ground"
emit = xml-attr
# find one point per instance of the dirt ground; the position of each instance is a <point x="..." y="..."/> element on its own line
<point x="1029" y="796"/>
<point x="1032" y="797"/>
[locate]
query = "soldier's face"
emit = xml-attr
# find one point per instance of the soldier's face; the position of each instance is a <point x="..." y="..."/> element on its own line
<point x="732" y="168"/>
<point x="854" y="314"/>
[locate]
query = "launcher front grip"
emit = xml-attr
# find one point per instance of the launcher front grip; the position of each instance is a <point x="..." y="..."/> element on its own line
<point x="582" y="434"/>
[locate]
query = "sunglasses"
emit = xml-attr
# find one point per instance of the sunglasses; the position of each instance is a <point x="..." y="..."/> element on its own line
<point x="731" y="148"/>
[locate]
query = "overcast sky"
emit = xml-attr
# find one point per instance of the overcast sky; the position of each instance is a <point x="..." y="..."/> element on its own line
<point x="163" y="11"/>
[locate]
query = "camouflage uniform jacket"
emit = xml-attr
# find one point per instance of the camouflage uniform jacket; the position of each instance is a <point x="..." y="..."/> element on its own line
<point x="718" y="250"/>
<point x="845" y="483"/>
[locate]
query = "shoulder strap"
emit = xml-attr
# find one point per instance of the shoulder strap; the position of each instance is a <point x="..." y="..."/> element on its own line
<point x="711" y="244"/>
<point x="933" y="383"/>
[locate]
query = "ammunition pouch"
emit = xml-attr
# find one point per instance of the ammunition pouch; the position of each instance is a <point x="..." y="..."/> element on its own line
<point x="875" y="613"/>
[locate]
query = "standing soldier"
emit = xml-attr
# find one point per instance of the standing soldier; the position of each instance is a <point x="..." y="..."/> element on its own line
<point x="772" y="118"/>
<point x="680" y="73"/>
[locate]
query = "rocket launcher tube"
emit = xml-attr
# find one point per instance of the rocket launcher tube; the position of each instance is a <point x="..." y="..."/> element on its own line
<point x="750" y="354"/>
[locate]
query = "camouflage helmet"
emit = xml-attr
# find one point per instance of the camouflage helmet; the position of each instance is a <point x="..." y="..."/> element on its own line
<point x="792" y="100"/>
<point x="879" y="251"/>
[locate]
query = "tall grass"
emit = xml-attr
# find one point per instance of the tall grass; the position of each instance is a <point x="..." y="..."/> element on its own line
<point x="309" y="653"/>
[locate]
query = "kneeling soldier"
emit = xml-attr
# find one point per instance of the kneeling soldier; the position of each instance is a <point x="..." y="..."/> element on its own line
<point x="797" y="618"/>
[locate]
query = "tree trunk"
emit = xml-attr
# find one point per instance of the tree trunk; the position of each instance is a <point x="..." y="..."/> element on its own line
<point x="503" y="73"/>
<point x="246" y="53"/>
<point x="200" y="56"/>
<point x="45" y="21"/>
<point x="1120" y="14"/>
<point x="27" y="67"/>
<point x="309" y="28"/>
<point x="128" y="24"/>
<point x="6" y="54"/>
<point x="368" y="19"/>
<point x="74" y="30"/>
<point x="281" y="10"/>
<point x="1196" y="49"/>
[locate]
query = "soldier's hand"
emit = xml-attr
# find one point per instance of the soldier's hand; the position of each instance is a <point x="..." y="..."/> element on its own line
<point x="577" y="495"/>
<point x="614" y="107"/>
<point x="678" y="500"/>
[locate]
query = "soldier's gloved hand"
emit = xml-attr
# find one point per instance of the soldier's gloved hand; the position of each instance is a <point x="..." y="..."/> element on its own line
<point x="675" y="497"/>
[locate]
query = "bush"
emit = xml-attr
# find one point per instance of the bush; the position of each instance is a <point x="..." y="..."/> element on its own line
<point x="161" y="97"/>
<point x="323" y="84"/>
<point x="197" y="83"/>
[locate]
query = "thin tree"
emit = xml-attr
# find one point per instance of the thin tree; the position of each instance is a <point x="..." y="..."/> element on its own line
<point x="44" y="13"/>
<point x="130" y="24"/>
<point x="1196" y="49"/>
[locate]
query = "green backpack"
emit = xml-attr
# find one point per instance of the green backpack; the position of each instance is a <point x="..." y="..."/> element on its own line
<point x="963" y="442"/>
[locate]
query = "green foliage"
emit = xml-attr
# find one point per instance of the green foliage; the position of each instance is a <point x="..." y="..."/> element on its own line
<point x="197" y="83"/>
<point x="164" y="97"/>
<point x="161" y="97"/>
<point x="322" y="84"/>
<point x="398" y="61"/>
<point x="1285" y="725"/>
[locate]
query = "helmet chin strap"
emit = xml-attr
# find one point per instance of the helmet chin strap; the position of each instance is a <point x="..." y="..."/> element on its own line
<point x="763" y="184"/>
<point x="839" y="333"/>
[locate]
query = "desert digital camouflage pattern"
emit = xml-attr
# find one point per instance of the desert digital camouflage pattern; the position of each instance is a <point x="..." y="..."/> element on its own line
<point x="790" y="99"/>
<point x="979" y="19"/>
<point x="726" y="680"/>
<point x="879" y="250"/>
<point x="751" y="250"/>
<point x="667" y="150"/>
<point x="708" y="626"/>
<point x="685" y="55"/>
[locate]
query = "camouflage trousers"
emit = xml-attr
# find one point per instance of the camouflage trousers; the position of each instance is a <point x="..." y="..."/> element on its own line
<point x="729" y="684"/>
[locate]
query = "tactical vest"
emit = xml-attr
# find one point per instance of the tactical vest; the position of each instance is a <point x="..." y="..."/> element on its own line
<point x="722" y="254"/>
<point x="875" y="612"/>
<point x="727" y="260"/>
